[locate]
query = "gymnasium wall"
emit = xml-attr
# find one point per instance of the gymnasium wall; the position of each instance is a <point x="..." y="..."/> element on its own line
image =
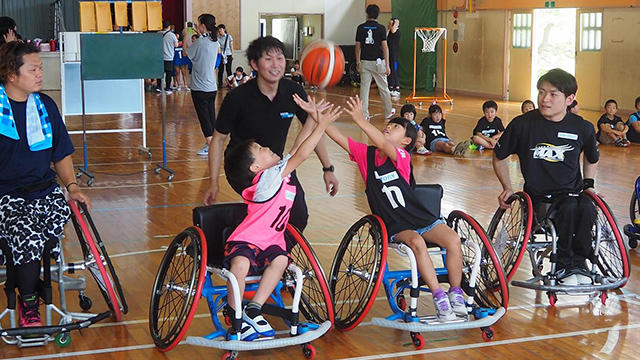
<point x="226" y="12"/>
<point x="534" y="4"/>
<point x="478" y="66"/>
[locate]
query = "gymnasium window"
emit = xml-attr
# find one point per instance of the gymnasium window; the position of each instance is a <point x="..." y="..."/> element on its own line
<point x="522" y="30"/>
<point x="591" y="31"/>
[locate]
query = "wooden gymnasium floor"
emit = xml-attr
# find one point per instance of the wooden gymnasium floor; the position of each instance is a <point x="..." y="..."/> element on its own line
<point x="139" y="212"/>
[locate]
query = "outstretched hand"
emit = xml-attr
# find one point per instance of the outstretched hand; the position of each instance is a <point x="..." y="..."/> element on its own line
<point x="354" y="108"/>
<point x="329" y="114"/>
<point x="311" y="106"/>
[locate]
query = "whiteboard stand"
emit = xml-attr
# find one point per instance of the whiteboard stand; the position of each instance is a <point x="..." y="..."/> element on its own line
<point x="163" y="165"/>
<point x="84" y="170"/>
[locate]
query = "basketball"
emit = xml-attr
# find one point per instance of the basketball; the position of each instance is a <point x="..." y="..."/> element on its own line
<point x="322" y="63"/>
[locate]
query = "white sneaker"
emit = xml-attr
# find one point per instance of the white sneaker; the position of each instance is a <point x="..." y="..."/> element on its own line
<point x="259" y="324"/>
<point x="168" y="92"/>
<point x="204" y="151"/>
<point x="393" y="112"/>
<point x="458" y="303"/>
<point x="444" y="312"/>
<point x="423" y="151"/>
<point x="583" y="279"/>
<point x="570" y="280"/>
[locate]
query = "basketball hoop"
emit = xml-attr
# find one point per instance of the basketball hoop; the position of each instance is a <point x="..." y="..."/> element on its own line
<point x="430" y="38"/>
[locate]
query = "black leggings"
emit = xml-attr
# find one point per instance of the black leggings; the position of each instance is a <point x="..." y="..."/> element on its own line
<point x="205" y="104"/>
<point x="168" y="71"/>
<point x="221" y="72"/>
<point x="27" y="277"/>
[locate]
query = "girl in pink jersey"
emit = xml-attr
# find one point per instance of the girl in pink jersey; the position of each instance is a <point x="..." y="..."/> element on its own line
<point x="386" y="170"/>
<point x="257" y="244"/>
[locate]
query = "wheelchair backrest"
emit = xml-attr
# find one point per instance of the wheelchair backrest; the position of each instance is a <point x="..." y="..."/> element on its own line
<point x="430" y="195"/>
<point x="218" y="222"/>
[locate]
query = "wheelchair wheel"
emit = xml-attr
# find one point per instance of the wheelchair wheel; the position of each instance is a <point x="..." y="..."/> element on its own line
<point x="315" y="303"/>
<point x="491" y="285"/>
<point x="357" y="271"/>
<point x="613" y="259"/>
<point x="97" y="260"/>
<point x="177" y="288"/>
<point x="509" y="231"/>
<point x="634" y="212"/>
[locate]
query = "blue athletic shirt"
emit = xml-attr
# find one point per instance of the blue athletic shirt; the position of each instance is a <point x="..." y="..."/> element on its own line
<point x="22" y="167"/>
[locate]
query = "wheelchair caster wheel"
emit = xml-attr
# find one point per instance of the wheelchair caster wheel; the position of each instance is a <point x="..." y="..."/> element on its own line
<point x="170" y="177"/>
<point x="417" y="340"/>
<point x="63" y="339"/>
<point x="603" y="297"/>
<point x="157" y="170"/>
<point x="231" y="355"/>
<point x="85" y="302"/>
<point x="487" y="334"/>
<point x="553" y="298"/>
<point x="149" y="155"/>
<point x="401" y="302"/>
<point x="78" y="174"/>
<point x="90" y="182"/>
<point x="309" y="351"/>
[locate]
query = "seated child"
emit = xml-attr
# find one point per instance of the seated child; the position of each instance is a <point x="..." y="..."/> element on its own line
<point x="238" y="78"/>
<point x="611" y="128"/>
<point x="633" y="134"/>
<point x="574" y="108"/>
<point x="527" y="106"/>
<point x="437" y="139"/>
<point x="258" y="244"/>
<point x="386" y="170"/>
<point x="489" y="128"/>
<point x="296" y="74"/>
<point x="408" y="111"/>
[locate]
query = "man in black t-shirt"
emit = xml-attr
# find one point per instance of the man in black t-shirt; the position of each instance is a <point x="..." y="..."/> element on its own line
<point x="372" y="61"/>
<point x="393" y="41"/>
<point x="548" y="142"/>
<point x="262" y="109"/>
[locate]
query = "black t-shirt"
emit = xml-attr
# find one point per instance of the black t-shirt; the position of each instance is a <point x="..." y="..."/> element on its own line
<point x="605" y="120"/>
<point x="487" y="128"/>
<point x="433" y="129"/>
<point x="632" y="134"/>
<point x="549" y="151"/>
<point x="393" y="41"/>
<point x="22" y="167"/>
<point x="370" y="35"/>
<point x="246" y="113"/>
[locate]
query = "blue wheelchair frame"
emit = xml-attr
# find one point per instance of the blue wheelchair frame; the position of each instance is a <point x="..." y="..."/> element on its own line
<point x="632" y="230"/>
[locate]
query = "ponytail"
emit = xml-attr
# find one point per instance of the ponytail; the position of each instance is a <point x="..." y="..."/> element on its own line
<point x="209" y="22"/>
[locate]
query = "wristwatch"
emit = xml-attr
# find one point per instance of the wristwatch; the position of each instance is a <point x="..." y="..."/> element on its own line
<point x="330" y="168"/>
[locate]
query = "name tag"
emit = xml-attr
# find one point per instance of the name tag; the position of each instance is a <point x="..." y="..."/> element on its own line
<point x="435" y="126"/>
<point x="386" y="177"/>
<point x="289" y="195"/>
<point x="286" y="115"/>
<point x="568" y="136"/>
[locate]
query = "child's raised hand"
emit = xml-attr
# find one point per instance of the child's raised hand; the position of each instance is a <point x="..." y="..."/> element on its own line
<point x="354" y="109"/>
<point x="311" y="106"/>
<point x="329" y="115"/>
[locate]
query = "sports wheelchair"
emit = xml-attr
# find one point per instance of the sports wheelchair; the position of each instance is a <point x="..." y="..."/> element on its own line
<point x="360" y="266"/>
<point x="517" y="230"/>
<point x="632" y="230"/>
<point x="95" y="259"/>
<point x="185" y="275"/>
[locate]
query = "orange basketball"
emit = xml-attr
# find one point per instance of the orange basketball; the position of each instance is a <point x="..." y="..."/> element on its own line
<point x="322" y="63"/>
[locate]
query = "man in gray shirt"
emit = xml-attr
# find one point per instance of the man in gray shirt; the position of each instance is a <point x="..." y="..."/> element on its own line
<point x="169" y="43"/>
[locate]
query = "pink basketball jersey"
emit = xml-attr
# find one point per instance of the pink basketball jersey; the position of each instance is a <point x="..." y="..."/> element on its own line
<point x="266" y="221"/>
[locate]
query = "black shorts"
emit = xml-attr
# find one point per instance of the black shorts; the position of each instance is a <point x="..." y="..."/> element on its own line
<point x="259" y="259"/>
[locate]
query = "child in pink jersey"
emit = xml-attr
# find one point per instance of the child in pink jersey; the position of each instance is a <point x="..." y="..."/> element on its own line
<point x="386" y="170"/>
<point x="258" y="244"/>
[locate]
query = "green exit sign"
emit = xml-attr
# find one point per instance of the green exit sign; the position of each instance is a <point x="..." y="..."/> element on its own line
<point x="549" y="4"/>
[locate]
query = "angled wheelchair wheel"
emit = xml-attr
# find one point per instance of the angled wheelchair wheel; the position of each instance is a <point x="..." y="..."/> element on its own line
<point x="315" y="303"/>
<point x="357" y="271"/>
<point x="613" y="259"/>
<point x="177" y="288"/>
<point x="97" y="260"/>
<point x="491" y="285"/>
<point x="509" y="231"/>
<point x="634" y="211"/>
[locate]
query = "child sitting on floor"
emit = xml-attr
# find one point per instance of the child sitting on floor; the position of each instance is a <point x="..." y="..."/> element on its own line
<point x="527" y="106"/>
<point x="437" y="140"/>
<point x="386" y="170"/>
<point x="258" y="244"/>
<point x="489" y="128"/>
<point x="611" y="128"/>
<point x="408" y="111"/>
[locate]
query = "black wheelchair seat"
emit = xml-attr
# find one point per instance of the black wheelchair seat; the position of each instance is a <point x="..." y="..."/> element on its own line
<point x="430" y="195"/>
<point x="218" y="222"/>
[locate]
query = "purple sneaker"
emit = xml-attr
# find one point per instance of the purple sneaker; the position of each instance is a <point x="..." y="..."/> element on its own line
<point x="456" y="298"/>
<point x="444" y="312"/>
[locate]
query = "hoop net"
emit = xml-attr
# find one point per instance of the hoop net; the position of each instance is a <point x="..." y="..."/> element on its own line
<point x="429" y="37"/>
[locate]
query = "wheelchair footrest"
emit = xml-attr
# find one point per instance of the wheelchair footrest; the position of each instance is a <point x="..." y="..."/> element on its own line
<point x="455" y="325"/>
<point x="54" y="329"/>
<point x="236" y="345"/>
<point x="571" y="289"/>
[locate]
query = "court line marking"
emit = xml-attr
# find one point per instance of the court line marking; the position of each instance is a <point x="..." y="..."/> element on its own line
<point x="496" y="343"/>
<point x="611" y="343"/>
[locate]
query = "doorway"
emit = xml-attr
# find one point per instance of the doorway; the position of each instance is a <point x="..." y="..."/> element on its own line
<point x="553" y="43"/>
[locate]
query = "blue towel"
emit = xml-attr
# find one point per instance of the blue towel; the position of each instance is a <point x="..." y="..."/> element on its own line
<point x="39" y="132"/>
